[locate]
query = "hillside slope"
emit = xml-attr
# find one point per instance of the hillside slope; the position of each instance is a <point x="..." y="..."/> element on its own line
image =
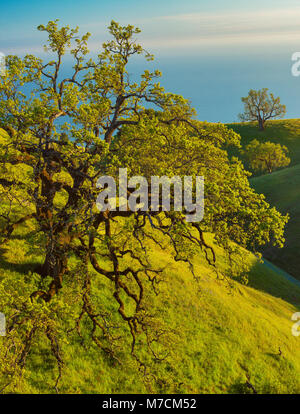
<point x="285" y="132"/>
<point x="219" y="334"/>
<point x="282" y="189"/>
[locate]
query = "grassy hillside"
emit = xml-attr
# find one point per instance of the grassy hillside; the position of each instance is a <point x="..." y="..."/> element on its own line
<point x="219" y="334"/>
<point x="285" y="132"/>
<point x="282" y="189"/>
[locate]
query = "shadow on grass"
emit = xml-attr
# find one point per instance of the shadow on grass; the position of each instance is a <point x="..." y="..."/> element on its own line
<point x="266" y="279"/>
<point x="17" y="267"/>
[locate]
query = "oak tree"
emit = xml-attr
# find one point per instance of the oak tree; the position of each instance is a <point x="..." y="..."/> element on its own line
<point x="266" y="156"/>
<point x="62" y="134"/>
<point x="261" y="106"/>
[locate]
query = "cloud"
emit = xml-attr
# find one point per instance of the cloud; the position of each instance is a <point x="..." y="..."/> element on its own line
<point x="211" y="31"/>
<point x="240" y="21"/>
<point x="262" y="27"/>
<point x="261" y="40"/>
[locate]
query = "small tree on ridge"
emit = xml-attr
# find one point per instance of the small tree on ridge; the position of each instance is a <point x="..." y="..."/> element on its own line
<point x="261" y="106"/>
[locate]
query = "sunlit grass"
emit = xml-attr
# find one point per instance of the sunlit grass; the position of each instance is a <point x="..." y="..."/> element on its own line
<point x="285" y="132"/>
<point x="219" y="334"/>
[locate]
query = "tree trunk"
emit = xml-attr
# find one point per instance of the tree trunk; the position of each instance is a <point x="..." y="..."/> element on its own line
<point x="261" y="124"/>
<point x="54" y="266"/>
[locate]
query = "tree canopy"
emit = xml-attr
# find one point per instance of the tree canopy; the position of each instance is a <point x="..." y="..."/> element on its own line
<point x="261" y="106"/>
<point x="63" y="133"/>
<point x="266" y="156"/>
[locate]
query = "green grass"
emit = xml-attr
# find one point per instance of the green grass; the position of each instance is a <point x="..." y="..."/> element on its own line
<point x="285" y="132"/>
<point x="282" y="189"/>
<point x="218" y="334"/>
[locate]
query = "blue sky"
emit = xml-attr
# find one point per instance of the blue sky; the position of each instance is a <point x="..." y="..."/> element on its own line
<point x="210" y="51"/>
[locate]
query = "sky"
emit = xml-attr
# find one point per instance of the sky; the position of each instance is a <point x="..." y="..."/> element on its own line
<point x="210" y="51"/>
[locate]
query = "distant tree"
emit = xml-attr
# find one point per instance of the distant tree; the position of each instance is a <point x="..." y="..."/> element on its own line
<point x="261" y="106"/>
<point x="266" y="156"/>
